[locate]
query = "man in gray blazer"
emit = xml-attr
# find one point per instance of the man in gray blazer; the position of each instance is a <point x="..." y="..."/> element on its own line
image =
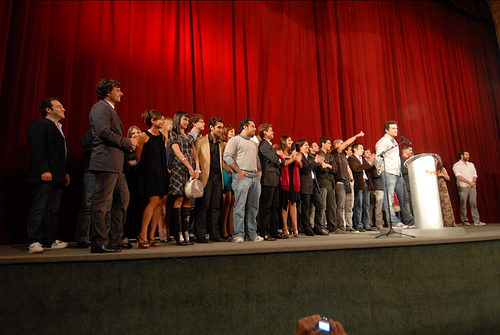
<point x="106" y="162"/>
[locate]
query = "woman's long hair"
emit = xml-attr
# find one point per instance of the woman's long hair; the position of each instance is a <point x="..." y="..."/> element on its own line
<point x="282" y="146"/>
<point x="177" y="120"/>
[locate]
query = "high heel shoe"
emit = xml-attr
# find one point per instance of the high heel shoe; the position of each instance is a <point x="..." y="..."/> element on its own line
<point x="153" y="243"/>
<point x="286" y="233"/>
<point x="142" y="243"/>
<point x="296" y="233"/>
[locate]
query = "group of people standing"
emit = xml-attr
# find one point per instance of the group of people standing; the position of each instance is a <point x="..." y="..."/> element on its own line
<point x="253" y="190"/>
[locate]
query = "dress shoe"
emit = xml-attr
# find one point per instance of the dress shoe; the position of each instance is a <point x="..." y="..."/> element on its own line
<point x="102" y="250"/>
<point x="202" y="240"/>
<point x="115" y="247"/>
<point x="221" y="239"/>
<point x="321" y="232"/>
<point x="372" y="229"/>
<point x="82" y="244"/>
<point x="269" y="238"/>
<point x="361" y="230"/>
<point x="279" y="236"/>
<point x="124" y="245"/>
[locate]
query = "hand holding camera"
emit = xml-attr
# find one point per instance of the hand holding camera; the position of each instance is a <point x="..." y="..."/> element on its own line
<point x="315" y="324"/>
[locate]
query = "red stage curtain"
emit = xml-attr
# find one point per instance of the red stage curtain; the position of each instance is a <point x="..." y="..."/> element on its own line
<point x="310" y="68"/>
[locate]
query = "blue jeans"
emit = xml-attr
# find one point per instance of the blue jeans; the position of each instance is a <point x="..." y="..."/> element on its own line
<point x="246" y="206"/>
<point x="361" y="215"/>
<point x="397" y="183"/>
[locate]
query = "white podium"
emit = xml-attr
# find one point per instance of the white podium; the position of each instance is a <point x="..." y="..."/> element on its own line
<point x="424" y="191"/>
<point x="425" y="198"/>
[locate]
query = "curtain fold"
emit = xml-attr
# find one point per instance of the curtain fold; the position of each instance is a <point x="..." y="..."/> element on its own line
<point x="310" y="68"/>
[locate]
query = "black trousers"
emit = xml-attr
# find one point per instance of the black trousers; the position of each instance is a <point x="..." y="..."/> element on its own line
<point x="42" y="221"/>
<point x="208" y="209"/>
<point x="306" y="200"/>
<point x="269" y="210"/>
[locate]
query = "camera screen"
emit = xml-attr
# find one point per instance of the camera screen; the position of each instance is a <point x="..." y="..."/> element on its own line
<point x="324" y="326"/>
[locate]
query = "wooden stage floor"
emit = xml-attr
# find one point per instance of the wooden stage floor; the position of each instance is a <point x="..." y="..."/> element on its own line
<point x="16" y="254"/>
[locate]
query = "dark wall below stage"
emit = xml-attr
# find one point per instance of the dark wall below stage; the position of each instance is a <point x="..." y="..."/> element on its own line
<point x="440" y="289"/>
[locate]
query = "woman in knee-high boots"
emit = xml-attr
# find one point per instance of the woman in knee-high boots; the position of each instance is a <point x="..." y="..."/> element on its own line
<point x="184" y="166"/>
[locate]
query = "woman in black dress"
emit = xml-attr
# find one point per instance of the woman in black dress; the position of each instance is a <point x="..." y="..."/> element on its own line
<point x="184" y="166"/>
<point x="153" y="175"/>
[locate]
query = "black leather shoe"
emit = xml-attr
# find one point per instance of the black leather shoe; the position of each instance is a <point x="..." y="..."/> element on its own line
<point x="115" y="247"/>
<point x="221" y="239"/>
<point x="310" y="233"/>
<point x="82" y="244"/>
<point x="122" y="246"/>
<point x="280" y="236"/>
<point x="202" y="240"/>
<point x="102" y="250"/>
<point x="269" y="238"/>
<point x="321" y="232"/>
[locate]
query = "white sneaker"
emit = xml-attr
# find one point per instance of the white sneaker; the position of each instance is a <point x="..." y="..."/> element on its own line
<point x="465" y="223"/>
<point x="58" y="245"/>
<point x="259" y="239"/>
<point x="479" y="224"/>
<point x="239" y="240"/>
<point x="35" y="248"/>
<point x="400" y="225"/>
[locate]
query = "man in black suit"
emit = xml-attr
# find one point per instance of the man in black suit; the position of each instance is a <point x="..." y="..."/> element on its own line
<point x="269" y="202"/>
<point x="48" y="174"/>
<point x="309" y="189"/>
<point x="106" y="162"/>
<point x="326" y="180"/>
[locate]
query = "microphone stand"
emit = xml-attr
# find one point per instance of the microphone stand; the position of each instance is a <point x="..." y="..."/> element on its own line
<point x="391" y="229"/>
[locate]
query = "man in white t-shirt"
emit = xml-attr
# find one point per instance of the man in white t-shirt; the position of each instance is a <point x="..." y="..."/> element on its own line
<point x="466" y="175"/>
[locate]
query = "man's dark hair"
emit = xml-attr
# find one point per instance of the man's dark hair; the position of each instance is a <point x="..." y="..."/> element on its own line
<point x="177" y="120"/>
<point x="299" y="144"/>
<point x="213" y="121"/>
<point x="355" y="146"/>
<point x="105" y="86"/>
<point x="406" y="146"/>
<point x="243" y="123"/>
<point x="47" y="103"/>
<point x="321" y="154"/>
<point x="366" y="149"/>
<point x="311" y="143"/>
<point x="461" y="153"/>
<point x="388" y="124"/>
<point x="324" y="139"/>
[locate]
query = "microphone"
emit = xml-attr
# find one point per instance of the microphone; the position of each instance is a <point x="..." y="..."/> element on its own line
<point x="404" y="139"/>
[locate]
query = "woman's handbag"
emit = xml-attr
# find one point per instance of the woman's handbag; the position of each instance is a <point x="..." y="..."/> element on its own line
<point x="193" y="188"/>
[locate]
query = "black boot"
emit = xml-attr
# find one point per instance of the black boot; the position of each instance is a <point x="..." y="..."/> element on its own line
<point x="186" y="211"/>
<point x="177" y="224"/>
